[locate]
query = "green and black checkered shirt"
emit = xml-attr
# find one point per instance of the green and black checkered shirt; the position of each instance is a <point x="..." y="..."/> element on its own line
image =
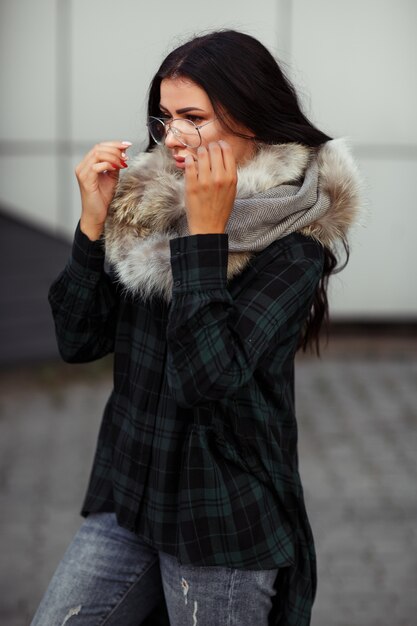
<point x="197" y="452"/>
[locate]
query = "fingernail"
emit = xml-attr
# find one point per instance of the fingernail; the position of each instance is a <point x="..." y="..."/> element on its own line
<point x="123" y="164"/>
<point x="116" y="166"/>
<point x="125" y="157"/>
<point x="127" y="143"/>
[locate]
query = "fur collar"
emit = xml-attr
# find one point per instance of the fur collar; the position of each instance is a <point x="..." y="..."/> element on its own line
<point x="148" y="208"/>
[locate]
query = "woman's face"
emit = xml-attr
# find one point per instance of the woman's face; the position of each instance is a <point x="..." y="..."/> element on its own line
<point x="181" y="98"/>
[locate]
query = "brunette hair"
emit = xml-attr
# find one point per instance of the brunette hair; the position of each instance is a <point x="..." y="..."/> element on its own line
<point x="245" y="84"/>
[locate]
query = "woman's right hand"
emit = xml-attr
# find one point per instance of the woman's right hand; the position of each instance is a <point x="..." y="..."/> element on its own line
<point x="97" y="176"/>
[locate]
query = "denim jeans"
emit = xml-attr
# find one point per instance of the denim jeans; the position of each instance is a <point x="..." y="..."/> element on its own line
<point x="110" y="577"/>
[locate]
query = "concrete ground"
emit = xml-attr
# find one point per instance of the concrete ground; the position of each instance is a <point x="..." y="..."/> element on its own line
<point x="357" y="415"/>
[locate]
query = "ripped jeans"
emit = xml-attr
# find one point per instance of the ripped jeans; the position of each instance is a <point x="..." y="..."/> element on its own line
<point x="109" y="577"/>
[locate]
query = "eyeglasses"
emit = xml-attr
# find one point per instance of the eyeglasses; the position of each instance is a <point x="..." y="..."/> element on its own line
<point x="184" y="130"/>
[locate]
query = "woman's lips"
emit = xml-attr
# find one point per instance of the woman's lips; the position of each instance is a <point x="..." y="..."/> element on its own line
<point x="179" y="161"/>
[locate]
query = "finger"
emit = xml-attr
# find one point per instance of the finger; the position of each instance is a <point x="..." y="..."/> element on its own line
<point x="216" y="161"/>
<point x="190" y="171"/>
<point x="228" y="157"/>
<point x="88" y="169"/>
<point x="114" y="156"/>
<point x="99" y="153"/>
<point x="106" y="154"/>
<point x="203" y="165"/>
<point x="103" y="168"/>
<point x="123" y="145"/>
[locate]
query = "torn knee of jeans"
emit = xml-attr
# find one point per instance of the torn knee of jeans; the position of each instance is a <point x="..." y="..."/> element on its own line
<point x="71" y="613"/>
<point x="185" y="587"/>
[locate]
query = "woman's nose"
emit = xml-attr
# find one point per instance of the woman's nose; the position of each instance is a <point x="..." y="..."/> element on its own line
<point x="171" y="139"/>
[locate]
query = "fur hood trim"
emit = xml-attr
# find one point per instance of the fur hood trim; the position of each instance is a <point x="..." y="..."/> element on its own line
<point x="340" y="180"/>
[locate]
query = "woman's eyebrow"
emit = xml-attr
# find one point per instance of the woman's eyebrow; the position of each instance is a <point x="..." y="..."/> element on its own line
<point x="180" y="111"/>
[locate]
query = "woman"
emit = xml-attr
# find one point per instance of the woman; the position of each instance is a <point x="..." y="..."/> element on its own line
<point x="220" y="240"/>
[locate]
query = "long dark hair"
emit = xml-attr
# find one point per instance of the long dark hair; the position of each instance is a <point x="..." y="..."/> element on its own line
<point x="246" y="85"/>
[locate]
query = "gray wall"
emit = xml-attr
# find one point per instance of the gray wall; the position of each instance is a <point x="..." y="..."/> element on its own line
<point x="76" y="72"/>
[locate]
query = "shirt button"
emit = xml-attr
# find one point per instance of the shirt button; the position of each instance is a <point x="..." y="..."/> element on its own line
<point x="177" y="283"/>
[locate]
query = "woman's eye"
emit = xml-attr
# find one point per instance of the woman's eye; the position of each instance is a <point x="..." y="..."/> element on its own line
<point x="194" y="118"/>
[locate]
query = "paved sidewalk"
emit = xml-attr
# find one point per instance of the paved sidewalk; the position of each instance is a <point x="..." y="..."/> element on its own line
<point x="358" y="459"/>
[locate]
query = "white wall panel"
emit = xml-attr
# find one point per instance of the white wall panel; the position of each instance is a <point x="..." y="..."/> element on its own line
<point x="356" y="61"/>
<point x="27" y="75"/>
<point x="29" y="189"/>
<point x="380" y="278"/>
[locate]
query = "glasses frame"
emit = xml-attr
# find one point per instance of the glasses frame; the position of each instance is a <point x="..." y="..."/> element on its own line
<point x="175" y="131"/>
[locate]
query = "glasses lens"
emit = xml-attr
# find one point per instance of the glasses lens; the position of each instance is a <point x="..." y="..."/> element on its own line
<point x="186" y="132"/>
<point x="156" y="130"/>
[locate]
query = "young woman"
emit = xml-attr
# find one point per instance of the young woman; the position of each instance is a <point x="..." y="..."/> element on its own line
<point x="220" y="240"/>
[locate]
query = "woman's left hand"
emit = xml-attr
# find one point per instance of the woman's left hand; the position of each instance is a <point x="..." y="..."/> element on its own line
<point x="210" y="188"/>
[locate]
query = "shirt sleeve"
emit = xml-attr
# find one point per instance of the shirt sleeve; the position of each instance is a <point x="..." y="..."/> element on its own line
<point x="215" y="342"/>
<point x="84" y="303"/>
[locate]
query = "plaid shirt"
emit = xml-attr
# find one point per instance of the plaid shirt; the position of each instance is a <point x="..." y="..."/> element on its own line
<point x="197" y="451"/>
